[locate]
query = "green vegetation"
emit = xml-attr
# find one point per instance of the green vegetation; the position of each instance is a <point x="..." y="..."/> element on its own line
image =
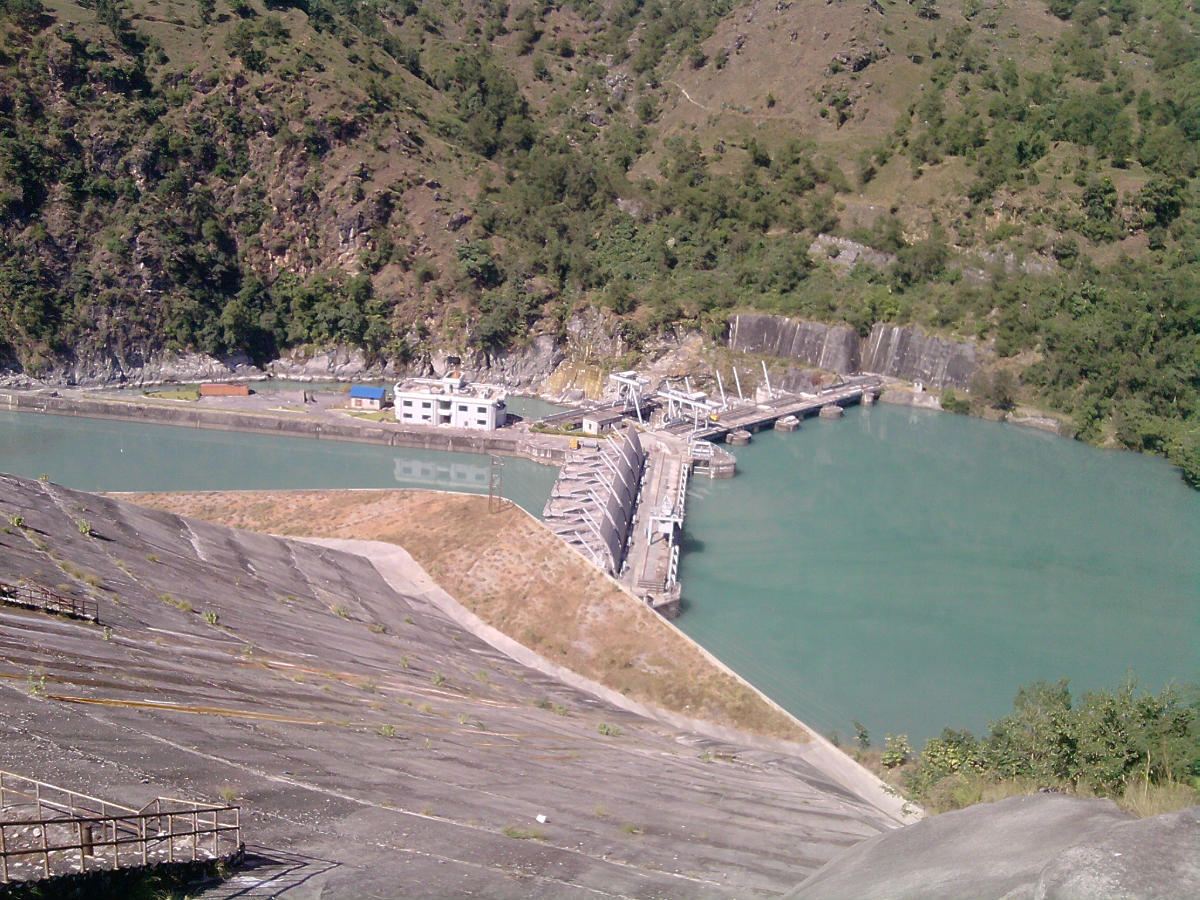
<point x="1139" y="748"/>
<point x="524" y="834"/>
<point x="261" y="180"/>
<point x="176" y="394"/>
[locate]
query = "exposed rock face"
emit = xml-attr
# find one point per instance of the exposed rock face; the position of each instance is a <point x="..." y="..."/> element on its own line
<point x="1039" y="847"/>
<point x="154" y="368"/>
<point x="333" y="363"/>
<point x="902" y="351"/>
<point x="847" y="254"/>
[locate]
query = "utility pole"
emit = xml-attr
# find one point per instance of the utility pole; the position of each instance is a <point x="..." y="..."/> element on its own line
<point x="495" y="485"/>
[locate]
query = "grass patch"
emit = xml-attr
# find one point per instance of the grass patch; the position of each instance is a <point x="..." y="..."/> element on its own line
<point x="523" y="834"/>
<point x="172" y="600"/>
<point x="175" y="394"/>
<point x="521" y="580"/>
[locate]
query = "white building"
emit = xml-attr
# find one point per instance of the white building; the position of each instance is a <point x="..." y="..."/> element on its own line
<point x="600" y="422"/>
<point x="450" y="401"/>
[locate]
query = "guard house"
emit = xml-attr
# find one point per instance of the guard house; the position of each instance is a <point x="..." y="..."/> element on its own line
<point x="364" y="397"/>
<point x="600" y="422"/>
<point x="451" y="401"/>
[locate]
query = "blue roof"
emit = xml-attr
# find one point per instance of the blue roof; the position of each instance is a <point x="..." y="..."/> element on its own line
<point x="368" y="393"/>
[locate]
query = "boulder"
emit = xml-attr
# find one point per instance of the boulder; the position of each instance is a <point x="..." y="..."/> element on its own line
<point x="1040" y="847"/>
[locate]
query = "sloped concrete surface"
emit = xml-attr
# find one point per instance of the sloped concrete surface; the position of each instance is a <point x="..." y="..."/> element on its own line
<point x="379" y="748"/>
<point x="1041" y="847"/>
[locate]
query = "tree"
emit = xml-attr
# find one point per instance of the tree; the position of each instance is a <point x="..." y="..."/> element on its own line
<point x="476" y="262"/>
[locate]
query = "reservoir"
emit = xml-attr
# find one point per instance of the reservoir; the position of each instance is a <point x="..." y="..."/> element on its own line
<point x="903" y="568"/>
<point x="911" y="569"/>
<point x="103" y="455"/>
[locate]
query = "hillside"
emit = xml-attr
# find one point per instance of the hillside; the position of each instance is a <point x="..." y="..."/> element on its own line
<point x="255" y="178"/>
<point x="378" y="746"/>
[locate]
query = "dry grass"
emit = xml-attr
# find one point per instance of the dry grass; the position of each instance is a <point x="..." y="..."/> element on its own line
<point x="1144" y="800"/>
<point x="520" y="579"/>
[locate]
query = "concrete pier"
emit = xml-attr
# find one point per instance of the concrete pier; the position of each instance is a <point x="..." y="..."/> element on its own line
<point x="787" y="423"/>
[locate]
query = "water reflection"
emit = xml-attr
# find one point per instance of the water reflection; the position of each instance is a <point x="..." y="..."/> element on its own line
<point x="466" y="476"/>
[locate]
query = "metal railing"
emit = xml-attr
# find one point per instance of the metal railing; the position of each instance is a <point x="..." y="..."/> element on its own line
<point x="34" y="596"/>
<point x="73" y="832"/>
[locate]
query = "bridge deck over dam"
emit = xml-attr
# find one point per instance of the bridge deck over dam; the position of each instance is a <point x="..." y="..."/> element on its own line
<point x="754" y="416"/>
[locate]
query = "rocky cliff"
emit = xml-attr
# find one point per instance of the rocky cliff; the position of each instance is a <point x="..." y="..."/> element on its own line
<point x="902" y="351"/>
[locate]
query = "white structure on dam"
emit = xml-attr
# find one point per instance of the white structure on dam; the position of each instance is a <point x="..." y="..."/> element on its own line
<point x="450" y="401"/>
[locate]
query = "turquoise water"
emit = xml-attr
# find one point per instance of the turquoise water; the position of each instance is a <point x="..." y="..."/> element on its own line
<point x="99" y="455"/>
<point x="911" y="569"/>
<point x="904" y="568"/>
<point x="532" y="407"/>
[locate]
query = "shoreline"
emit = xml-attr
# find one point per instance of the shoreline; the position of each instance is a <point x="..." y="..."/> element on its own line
<point x="539" y="448"/>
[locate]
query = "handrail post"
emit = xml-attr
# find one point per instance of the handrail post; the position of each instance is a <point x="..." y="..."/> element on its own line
<point x="45" y="849"/>
<point x="3" y="855"/>
<point x="195" y="828"/>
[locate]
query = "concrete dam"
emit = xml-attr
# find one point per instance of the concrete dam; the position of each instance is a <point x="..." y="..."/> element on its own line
<point x="592" y="504"/>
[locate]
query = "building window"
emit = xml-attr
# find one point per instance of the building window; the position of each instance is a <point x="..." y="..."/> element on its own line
<point x="482" y="422"/>
<point x="408" y="403"/>
<point x="428" y="404"/>
<point x="462" y="407"/>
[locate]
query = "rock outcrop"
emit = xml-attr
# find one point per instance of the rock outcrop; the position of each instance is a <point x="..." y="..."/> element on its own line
<point x="1044" y="846"/>
<point x="901" y="351"/>
<point x="152" y="368"/>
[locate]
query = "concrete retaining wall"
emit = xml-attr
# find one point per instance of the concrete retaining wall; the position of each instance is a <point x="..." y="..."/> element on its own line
<point x="900" y="351"/>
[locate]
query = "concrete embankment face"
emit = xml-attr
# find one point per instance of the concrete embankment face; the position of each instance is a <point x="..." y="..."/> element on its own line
<point x="376" y="746"/>
<point x="898" y="351"/>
